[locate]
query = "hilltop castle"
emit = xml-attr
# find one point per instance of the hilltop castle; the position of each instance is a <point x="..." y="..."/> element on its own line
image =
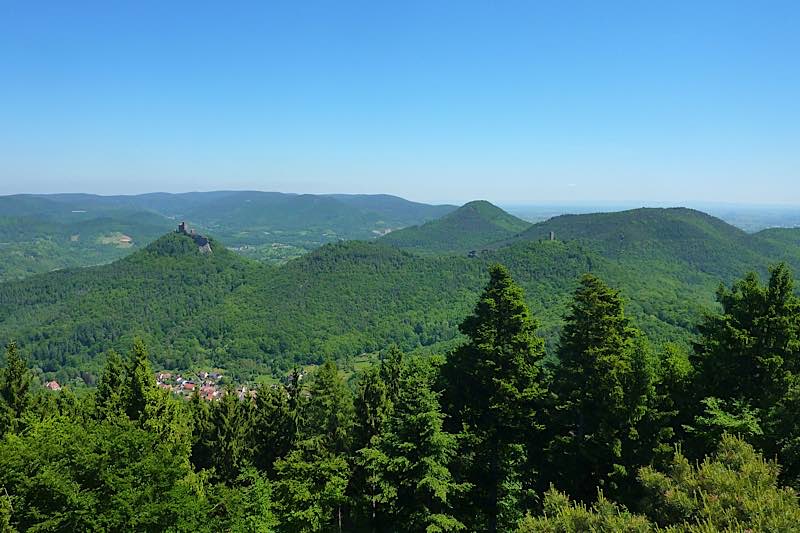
<point x="201" y="241"/>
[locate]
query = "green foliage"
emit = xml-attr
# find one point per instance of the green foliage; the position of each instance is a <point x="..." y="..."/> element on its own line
<point x="561" y="515"/>
<point x="140" y="384"/>
<point x="493" y="392"/>
<point x="605" y="388"/>
<point x="473" y="226"/>
<point x="313" y="477"/>
<point x="111" y="386"/>
<point x="244" y="507"/>
<point x="14" y="385"/>
<point x="310" y="487"/>
<point x="408" y="484"/>
<point x="748" y="352"/>
<point x="274" y="426"/>
<point x="86" y="475"/>
<point x="40" y="233"/>
<point x="735" y="490"/>
<point x="411" y="444"/>
<point x="347" y="299"/>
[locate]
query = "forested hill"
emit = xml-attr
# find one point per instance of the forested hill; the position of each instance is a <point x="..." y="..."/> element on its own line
<point x="344" y="299"/>
<point x="40" y="233"/>
<point x="472" y="226"/>
<point x="699" y="241"/>
<point x="70" y="317"/>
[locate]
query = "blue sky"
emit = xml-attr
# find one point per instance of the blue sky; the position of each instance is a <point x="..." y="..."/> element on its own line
<point x="515" y="102"/>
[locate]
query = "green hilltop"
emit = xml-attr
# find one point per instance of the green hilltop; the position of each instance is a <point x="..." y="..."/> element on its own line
<point x="350" y="298"/>
<point x="472" y="226"/>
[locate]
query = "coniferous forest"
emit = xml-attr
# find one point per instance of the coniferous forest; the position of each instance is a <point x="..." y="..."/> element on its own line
<point x="611" y="434"/>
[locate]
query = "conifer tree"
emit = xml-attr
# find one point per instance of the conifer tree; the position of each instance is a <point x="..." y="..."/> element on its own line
<point x="494" y="389"/>
<point x="273" y="427"/>
<point x="604" y="384"/>
<point x="313" y="477"/>
<point x="372" y="410"/>
<point x="202" y="451"/>
<point x="328" y="414"/>
<point x="108" y="397"/>
<point x="230" y="420"/>
<point x="14" y="388"/>
<point x="140" y="385"/>
<point x="410" y="460"/>
<point x="749" y="351"/>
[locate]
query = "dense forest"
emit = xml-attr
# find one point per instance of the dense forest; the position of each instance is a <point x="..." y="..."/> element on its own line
<point x="349" y="300"/>
<point x="44" y="232"/>
<point x="611" y="434"/>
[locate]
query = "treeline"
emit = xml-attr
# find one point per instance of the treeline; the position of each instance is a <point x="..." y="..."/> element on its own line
<point x="614" y="436"/>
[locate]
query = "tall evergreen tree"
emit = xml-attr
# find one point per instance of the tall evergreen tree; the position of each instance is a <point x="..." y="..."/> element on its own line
<point x="749" y="351"/>
<point x="494" y="388"/>
<point x="231" y="423"/>
<point x="273" y="427"/>
<point x="15" y="382"/>
<point x="328" y="414"/>
<point x="410" y="458"/>
<point x="140" y="385"/>
<point x="313" y="477"/>
<point x="604" y="384"/>
<point x="111" y="386"/>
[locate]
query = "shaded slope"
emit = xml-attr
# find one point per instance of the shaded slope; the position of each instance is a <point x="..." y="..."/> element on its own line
<point x="470" y="227"/>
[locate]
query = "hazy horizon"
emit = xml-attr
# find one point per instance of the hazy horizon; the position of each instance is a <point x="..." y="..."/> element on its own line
<point x="678" y="103"/>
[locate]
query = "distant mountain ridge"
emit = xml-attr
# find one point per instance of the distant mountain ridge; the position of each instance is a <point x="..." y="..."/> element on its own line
<point x="470" y="227"/>
<point x="45" y="232"/>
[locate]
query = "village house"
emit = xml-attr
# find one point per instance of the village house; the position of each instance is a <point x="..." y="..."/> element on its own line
<point x="52" y="385"/>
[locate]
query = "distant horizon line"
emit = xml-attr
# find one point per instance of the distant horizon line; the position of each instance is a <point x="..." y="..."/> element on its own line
<point x="500" y="203"/>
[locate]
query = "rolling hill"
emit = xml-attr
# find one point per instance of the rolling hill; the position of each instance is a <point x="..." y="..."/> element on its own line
<point x="348" y="298"/>
<point x="472" y="226"/>
<point x="682" y="236"/>
<point x="39" y="233"/>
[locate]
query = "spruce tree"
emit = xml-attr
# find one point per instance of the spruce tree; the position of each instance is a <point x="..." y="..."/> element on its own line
<point x="313" y="477"/>
<point x="273" y="427"/>
<point x="108" y="396"/>
<point x="372" y="410"/>
<point x="750" y="350"/>
<point x="410" y="460"/>
<point x="14" y="389"/>
<point x="494" y="389"/>
<point x="604" y="386"/>
<point x="140" y="384"/>
<point x="231" y="423"/>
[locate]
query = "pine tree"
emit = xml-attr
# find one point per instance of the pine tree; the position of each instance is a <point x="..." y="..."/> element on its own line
<point x="14" y="389"/>
<point x="604" y="385"/>
<point x="494" y="389"/>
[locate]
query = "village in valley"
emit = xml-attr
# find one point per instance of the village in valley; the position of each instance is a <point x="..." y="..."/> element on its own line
<point x="209" y="386"/>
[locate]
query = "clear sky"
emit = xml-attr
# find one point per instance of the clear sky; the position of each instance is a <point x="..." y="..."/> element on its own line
<point x="513" y="102"/>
